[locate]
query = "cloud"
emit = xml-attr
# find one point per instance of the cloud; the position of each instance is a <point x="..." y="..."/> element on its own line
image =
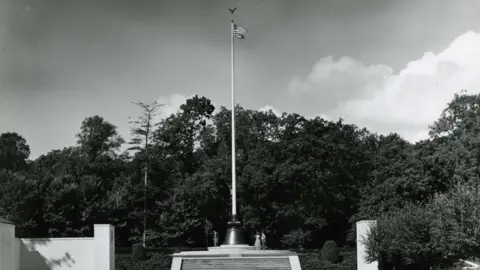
<point x="267" y="108"/>
<point x="339" y="80"/>
<point x="406" y="102"/>
<point x="170" y="105"/>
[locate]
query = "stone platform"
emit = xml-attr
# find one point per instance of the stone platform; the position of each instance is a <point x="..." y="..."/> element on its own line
<point x="236" y="257"/>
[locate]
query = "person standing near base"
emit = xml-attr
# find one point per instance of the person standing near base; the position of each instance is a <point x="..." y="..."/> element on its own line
<point x="215" y="238"/>
<point x="264" y="240"/>
<point x="258" y="242"/>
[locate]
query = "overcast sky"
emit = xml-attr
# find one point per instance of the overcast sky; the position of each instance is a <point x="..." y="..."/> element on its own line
<point x="387" y="65"/>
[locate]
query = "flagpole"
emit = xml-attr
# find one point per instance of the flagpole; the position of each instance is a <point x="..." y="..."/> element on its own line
<point x="234" y="235"/>
<point x="234" y="169"/>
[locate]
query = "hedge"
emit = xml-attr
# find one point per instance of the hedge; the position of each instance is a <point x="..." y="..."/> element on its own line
<point x="154" y="262"/>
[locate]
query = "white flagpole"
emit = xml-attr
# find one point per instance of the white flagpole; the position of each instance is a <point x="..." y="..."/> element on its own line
<point x="234" y="182"/>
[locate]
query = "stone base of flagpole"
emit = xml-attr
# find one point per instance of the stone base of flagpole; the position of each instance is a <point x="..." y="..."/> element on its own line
<point x="234" y="257"/>
<point x="236" y="254"/>
<point x="234" y="235"/>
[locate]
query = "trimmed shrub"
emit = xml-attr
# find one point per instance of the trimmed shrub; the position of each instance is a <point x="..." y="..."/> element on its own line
<point x="138" y="253"/>
<point x="331" y="252"/>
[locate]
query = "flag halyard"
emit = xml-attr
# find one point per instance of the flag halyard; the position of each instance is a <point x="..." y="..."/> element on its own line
<point x="239" y="32"/>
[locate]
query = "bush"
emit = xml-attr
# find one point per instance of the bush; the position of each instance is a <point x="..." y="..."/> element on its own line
<point x="138" y="253"/>
<point x="457" y="221"/>
<point x="331" y="252"/>
<point x="295" y="239"/>
<point x="349" y="259"/>
<point x="403" y="239"/>
<point x="145" y="265"/>
<point x="434" y="235"/>
<point x="314" y="261"/>
<point x="155" y="262"/>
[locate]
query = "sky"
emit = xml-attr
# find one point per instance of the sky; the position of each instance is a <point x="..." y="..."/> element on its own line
<point x="387" y="65"/>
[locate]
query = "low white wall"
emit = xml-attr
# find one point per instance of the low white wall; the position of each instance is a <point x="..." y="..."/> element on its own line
<point x="57" y="253"/>
<point x="362" y="230"/>
<point x="9" y="247"/>
<point x="95" y="253"/>
<point x="104" y="243"/>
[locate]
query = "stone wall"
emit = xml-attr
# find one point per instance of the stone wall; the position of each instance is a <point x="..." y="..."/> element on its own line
<point x="96" y="253"/>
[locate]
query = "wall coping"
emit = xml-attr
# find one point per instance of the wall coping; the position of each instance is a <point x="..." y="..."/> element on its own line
<point x="102" y="225"/>
<point x="366" y="221"/>
<point x="58" y="239"/>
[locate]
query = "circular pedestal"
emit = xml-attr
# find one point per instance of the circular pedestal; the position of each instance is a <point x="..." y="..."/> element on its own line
<point x="234" y="235"/>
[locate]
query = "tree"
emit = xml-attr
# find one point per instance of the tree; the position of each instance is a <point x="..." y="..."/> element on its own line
<point x="14" y="151"/>
<point x="145" y="128"/>
<point x="76" y="192"/>
<point x="180" y="134"/>
<point x="98" y="137"/>
<point x="142" y="138"/>
<point x="21" y="201"/>
<point x="388" y="186"/>
<point x="183" y="143"/>
<point x="456" y="223"/>
<point x="302" y="181"/>
<point x="462" y="115"/>
<point x="459" y="127"/>
<point x="405" y="173"/>
<point x="320" y="166"/>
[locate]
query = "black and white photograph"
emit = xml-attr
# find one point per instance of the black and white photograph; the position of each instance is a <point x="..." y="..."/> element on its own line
<point x="239" y="134"/>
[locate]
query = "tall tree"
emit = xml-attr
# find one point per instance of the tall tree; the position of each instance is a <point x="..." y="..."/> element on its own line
<point x="183" y="144"/>
<point x="142" y="137"/>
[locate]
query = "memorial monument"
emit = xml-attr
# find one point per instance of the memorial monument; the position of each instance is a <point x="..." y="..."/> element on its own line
<point x="235" y="253"/>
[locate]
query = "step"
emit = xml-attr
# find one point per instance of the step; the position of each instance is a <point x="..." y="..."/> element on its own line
<point x="236" y="264"/>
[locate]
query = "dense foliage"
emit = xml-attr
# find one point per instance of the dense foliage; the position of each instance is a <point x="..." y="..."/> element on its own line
<point x="302" y="181"/>
<point x="435" y="221"/>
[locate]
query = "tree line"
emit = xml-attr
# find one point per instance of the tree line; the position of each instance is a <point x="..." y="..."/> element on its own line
<point x="303" y="181"/>
<point x="434" y="219"/>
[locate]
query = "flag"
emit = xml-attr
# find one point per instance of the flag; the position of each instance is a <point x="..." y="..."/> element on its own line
<point x="239" y="32"/>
